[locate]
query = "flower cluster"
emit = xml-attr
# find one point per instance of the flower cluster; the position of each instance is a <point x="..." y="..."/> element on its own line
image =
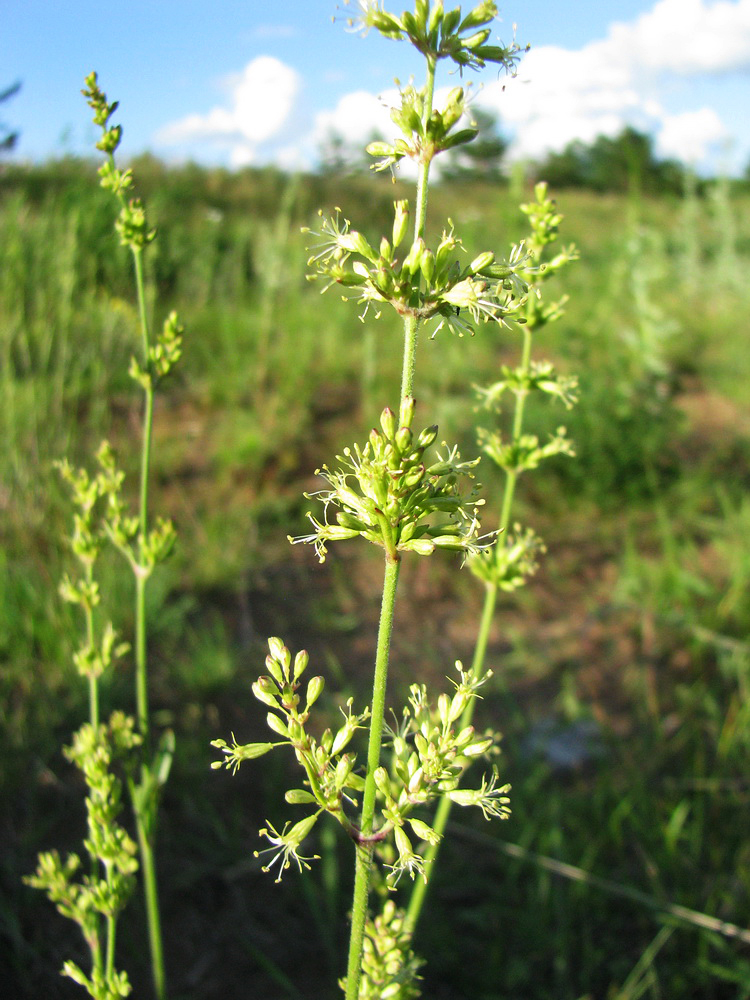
<point x="102" y="893"/>
<point x="440" y="34"/>
<point x="424" y="284"/>
<point x="389" y="966"/>
<point x="428" y="758"/>
<point x="132" y="224"/>
<point x="390" y="495"/>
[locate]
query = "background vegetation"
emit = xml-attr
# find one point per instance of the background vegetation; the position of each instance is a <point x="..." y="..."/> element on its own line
<point x="622" y="672"/>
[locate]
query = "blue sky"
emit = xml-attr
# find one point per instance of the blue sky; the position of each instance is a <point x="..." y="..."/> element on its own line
<point x="252" y="81"/>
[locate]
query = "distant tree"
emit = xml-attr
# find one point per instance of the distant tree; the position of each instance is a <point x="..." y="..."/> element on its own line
<point x="623" y="163"/>
<point x="481" y="159"/>
<point x="8" y="138"/>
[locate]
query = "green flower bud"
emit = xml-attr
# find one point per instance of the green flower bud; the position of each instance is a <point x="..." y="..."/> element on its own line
<point x="382" y="781"/>
<point x="300" y="663"/>
<point x="412" y="260"/>
<point x="450" y="21"/>
<point x="477" y="749"/>
<point x="403" y="439"/>
<point x="444" y="703"/>
<point x="400" y="221"/>
<point x="481" y="261"/>
<point x="274" y="722"/>
<point x="262" y="692"/>
<point x="277" y="648"/>
<point x="474" y="41"/>
<point x="314" y="690"/>
<point x="406" y="413"/>
<point x="427" y="264"/>
<point x="344" y="769"/>
<point x="422" y="546"/>
<point x="299" y="797"/>
<point x="436" y="16"/>
<point x="379" y="149"/>
<point x="388" y="423"/>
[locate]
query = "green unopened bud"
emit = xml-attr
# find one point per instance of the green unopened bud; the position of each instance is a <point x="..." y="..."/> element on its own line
<point x="477" y="749"/>
<point x="344" y="769"/>
<point x="314" y="690"/>
<point x="299" y="797"/>
<point x="450" y="21"/>
<point x="481" y="261"/>
<point x="427" y="436"/>
<point x="400" y="221"/>
<point x="379" y="149"/>
<point x="277" y="648"/>
<point x="427" y="264"/>
<point x="277" y="724"/>
<point x="474" y="41"/>
<point x="436" y="16"/>
<point x="414" y="476"/>
<point x="481" y="14"/>
<point x="422" y="546"/>
<point x="412" y="260"/>
<point x="273" y="666"/>
<point x="465" y="736"/>
<point x="300" y="663"/>
<point x="347" y="520"/>
<point x="386" y="250"/>
<point x="264" y="693"/>
<point x="382" y="781"/>
<point x="444" y="709"/>
<point x="403" y="439"/>
<point x="406" y="413"/>
<point x="458" y="703"/>
<point x="388" y="423"/>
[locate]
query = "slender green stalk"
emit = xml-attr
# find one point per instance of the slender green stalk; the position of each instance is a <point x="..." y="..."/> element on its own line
<point x="364" y="856"/>
<point x="411" y="324"/>
<point x="365" y="849"/>
<point x="148" y="867"/>
<point x="145" y="806"/>
<point x="442" y="814"/>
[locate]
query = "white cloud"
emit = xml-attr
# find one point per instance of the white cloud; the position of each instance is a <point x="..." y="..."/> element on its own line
<point x="689" y="36"/>
<point x="356" y="118"/>
<point x="690" y="135"/>
<point x="261" y="100"/>
<point x="560" y="94"/>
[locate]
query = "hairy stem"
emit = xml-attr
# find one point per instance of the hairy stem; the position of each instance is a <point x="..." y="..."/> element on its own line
<point x="365" y="850"/>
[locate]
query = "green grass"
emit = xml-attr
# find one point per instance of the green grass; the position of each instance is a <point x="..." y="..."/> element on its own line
<point x="638" y="621"/>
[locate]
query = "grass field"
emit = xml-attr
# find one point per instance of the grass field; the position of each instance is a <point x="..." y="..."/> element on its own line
<point x="622" y="672"/>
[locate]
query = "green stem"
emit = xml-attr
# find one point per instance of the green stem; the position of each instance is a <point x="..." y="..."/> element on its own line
<point x="151" y="894"/>
<point x="110" y="961"/>
<point x="416" y="900"/>
<point x="93" y="680"/>
<point x="145" y="801"/>
<point x="423" y="184"/>
<point x="365" y="849"/>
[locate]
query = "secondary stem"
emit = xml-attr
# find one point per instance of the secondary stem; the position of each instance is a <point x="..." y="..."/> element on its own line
<point x="365" y="850"/>
<point x="145" y="801"/>
<point x="416" y="900"/>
